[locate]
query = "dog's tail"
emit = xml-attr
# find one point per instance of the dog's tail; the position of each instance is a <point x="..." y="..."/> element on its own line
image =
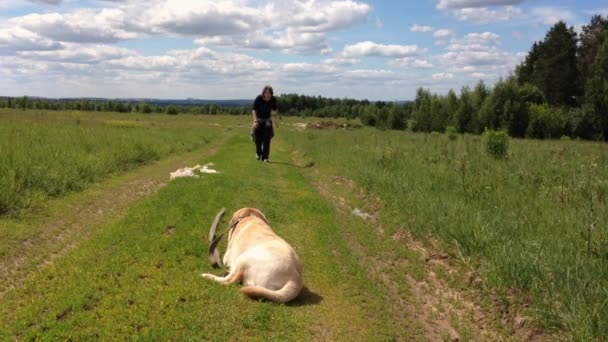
<point x="287" y="293"/>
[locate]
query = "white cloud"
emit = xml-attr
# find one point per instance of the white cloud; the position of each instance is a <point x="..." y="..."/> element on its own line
<point x="421" y="28"/>
<point x="475" y="42"/>
<point x="453" y="4"/>
<point x="46" y="2"/>
<point x="76" y="53"/>
<point x="289" y="41"/>
<point x="204" y="18"/>
<point x="443" y="33"/>
<point x="486" y="15"/>
<point x="551" y="15"/>
<point x="318" y="15"/>
<point x="83" y="26"/>
<point x="369" y="74"/>
<point x="442" y="76"/>
<point x="341" y="61"/>
<point x="411" y="62"/>
<point x="368" y="48"/>
<point x="17" y="39"/>
<point x="291" y="26"/>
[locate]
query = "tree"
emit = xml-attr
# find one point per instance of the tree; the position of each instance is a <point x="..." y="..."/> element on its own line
<point x="597" y="90"/>
<point x="591" y="39"/>
<point x="525" y="70"/>
<point x="145" y="108"/>
<point x="421" y="113"/>
<point x="172" y="110"/>
<point x="506" y="108"/>
<point x="464" y="113"/>
<point x="480" y="93"/>
<point x="451" y="106"/>
<point x="551" y="66"/>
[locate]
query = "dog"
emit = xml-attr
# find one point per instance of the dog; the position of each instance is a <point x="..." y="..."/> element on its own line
<point x="260" y="259"/>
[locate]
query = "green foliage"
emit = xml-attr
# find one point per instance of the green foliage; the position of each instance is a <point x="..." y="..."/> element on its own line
<point x="451" y="132"/>
<point x="396" y="120"/>
<point x="496" y="143"/>
<point x="368" y="117"/>
<point x="597" y="90"/>
<point x="145" y="108"/>
<point x="591" y="39"/>
<point x="505" y="108"/>
<point x="545" y="122"/>
<point x="172" y="110"/>
<point x="551" y="66"/>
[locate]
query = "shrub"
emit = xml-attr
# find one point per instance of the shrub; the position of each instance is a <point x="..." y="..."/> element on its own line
<point x="496" y="143"/>
<point x="172" y="110"/>
<point x="451" y="132"/>
<point x="545" y="122"/>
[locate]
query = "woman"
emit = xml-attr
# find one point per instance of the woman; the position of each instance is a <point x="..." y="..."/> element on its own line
<point x="264" y="107"/>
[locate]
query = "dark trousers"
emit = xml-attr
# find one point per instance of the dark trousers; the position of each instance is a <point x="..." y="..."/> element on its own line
<point x="263" y="135"/>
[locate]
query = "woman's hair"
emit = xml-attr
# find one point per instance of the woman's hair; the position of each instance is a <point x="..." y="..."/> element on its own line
<point x="269" y="88"/>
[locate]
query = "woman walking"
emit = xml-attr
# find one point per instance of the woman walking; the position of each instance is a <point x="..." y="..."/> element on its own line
<point x="264" y="108"/>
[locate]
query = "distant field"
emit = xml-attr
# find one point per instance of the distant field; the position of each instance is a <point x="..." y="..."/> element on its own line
<point x="48" y="154"/>
<point x="534" y="224"/>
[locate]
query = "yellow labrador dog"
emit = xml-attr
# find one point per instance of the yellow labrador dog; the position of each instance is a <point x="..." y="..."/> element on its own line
<point x="260" y="259"/>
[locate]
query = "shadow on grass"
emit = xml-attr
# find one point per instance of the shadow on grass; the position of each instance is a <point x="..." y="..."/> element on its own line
<point x="305" y="298"/>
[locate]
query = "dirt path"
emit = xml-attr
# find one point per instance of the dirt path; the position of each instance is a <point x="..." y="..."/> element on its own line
<point x="77" y="217"/>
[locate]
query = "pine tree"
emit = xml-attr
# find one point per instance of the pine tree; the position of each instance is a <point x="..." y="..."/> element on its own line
<point x="596" y="91"/>
<point x="551" y="66"/>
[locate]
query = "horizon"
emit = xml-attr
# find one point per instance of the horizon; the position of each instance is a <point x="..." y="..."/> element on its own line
<point x="228" y="50"/>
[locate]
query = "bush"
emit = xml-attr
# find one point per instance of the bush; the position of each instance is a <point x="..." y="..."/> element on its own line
<point x="451" y="132"/>
<point x="496" y="143"/>
<point x="369" y="119"/>
<point x="412" y="125"/>
<point x="545" y="122"/>
<point x="172" y="110"/>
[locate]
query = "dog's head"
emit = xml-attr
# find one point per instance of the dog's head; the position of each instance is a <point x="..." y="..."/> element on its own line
<point x="245" y="212"/>
<point x="241" y="214"/>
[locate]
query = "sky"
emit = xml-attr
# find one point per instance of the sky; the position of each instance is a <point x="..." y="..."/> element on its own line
<point x="376" y="50"/>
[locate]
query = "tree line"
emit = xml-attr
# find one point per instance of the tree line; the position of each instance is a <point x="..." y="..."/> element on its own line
<point x="380" y="114"/>
<point x="560" y="89"/>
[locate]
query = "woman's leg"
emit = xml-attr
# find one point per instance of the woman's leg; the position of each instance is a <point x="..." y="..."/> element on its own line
<point x="259" y="140"/>
<point x="266" y="144"/>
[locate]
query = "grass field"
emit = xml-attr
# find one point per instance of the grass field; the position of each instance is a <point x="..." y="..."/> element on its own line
<point x="521" y="226"/>
<point x="48" y="154"/>
<point x="535" y="225"/>
<point x="138" y="278"/>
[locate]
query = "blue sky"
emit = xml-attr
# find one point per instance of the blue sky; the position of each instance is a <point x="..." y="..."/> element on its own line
<point x="379" y="50"/>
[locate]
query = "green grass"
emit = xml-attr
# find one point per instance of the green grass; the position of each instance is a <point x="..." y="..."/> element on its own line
<point x="135" y="279"/>
<point x="48" y="154"/>
<point x="524" y="222"/>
